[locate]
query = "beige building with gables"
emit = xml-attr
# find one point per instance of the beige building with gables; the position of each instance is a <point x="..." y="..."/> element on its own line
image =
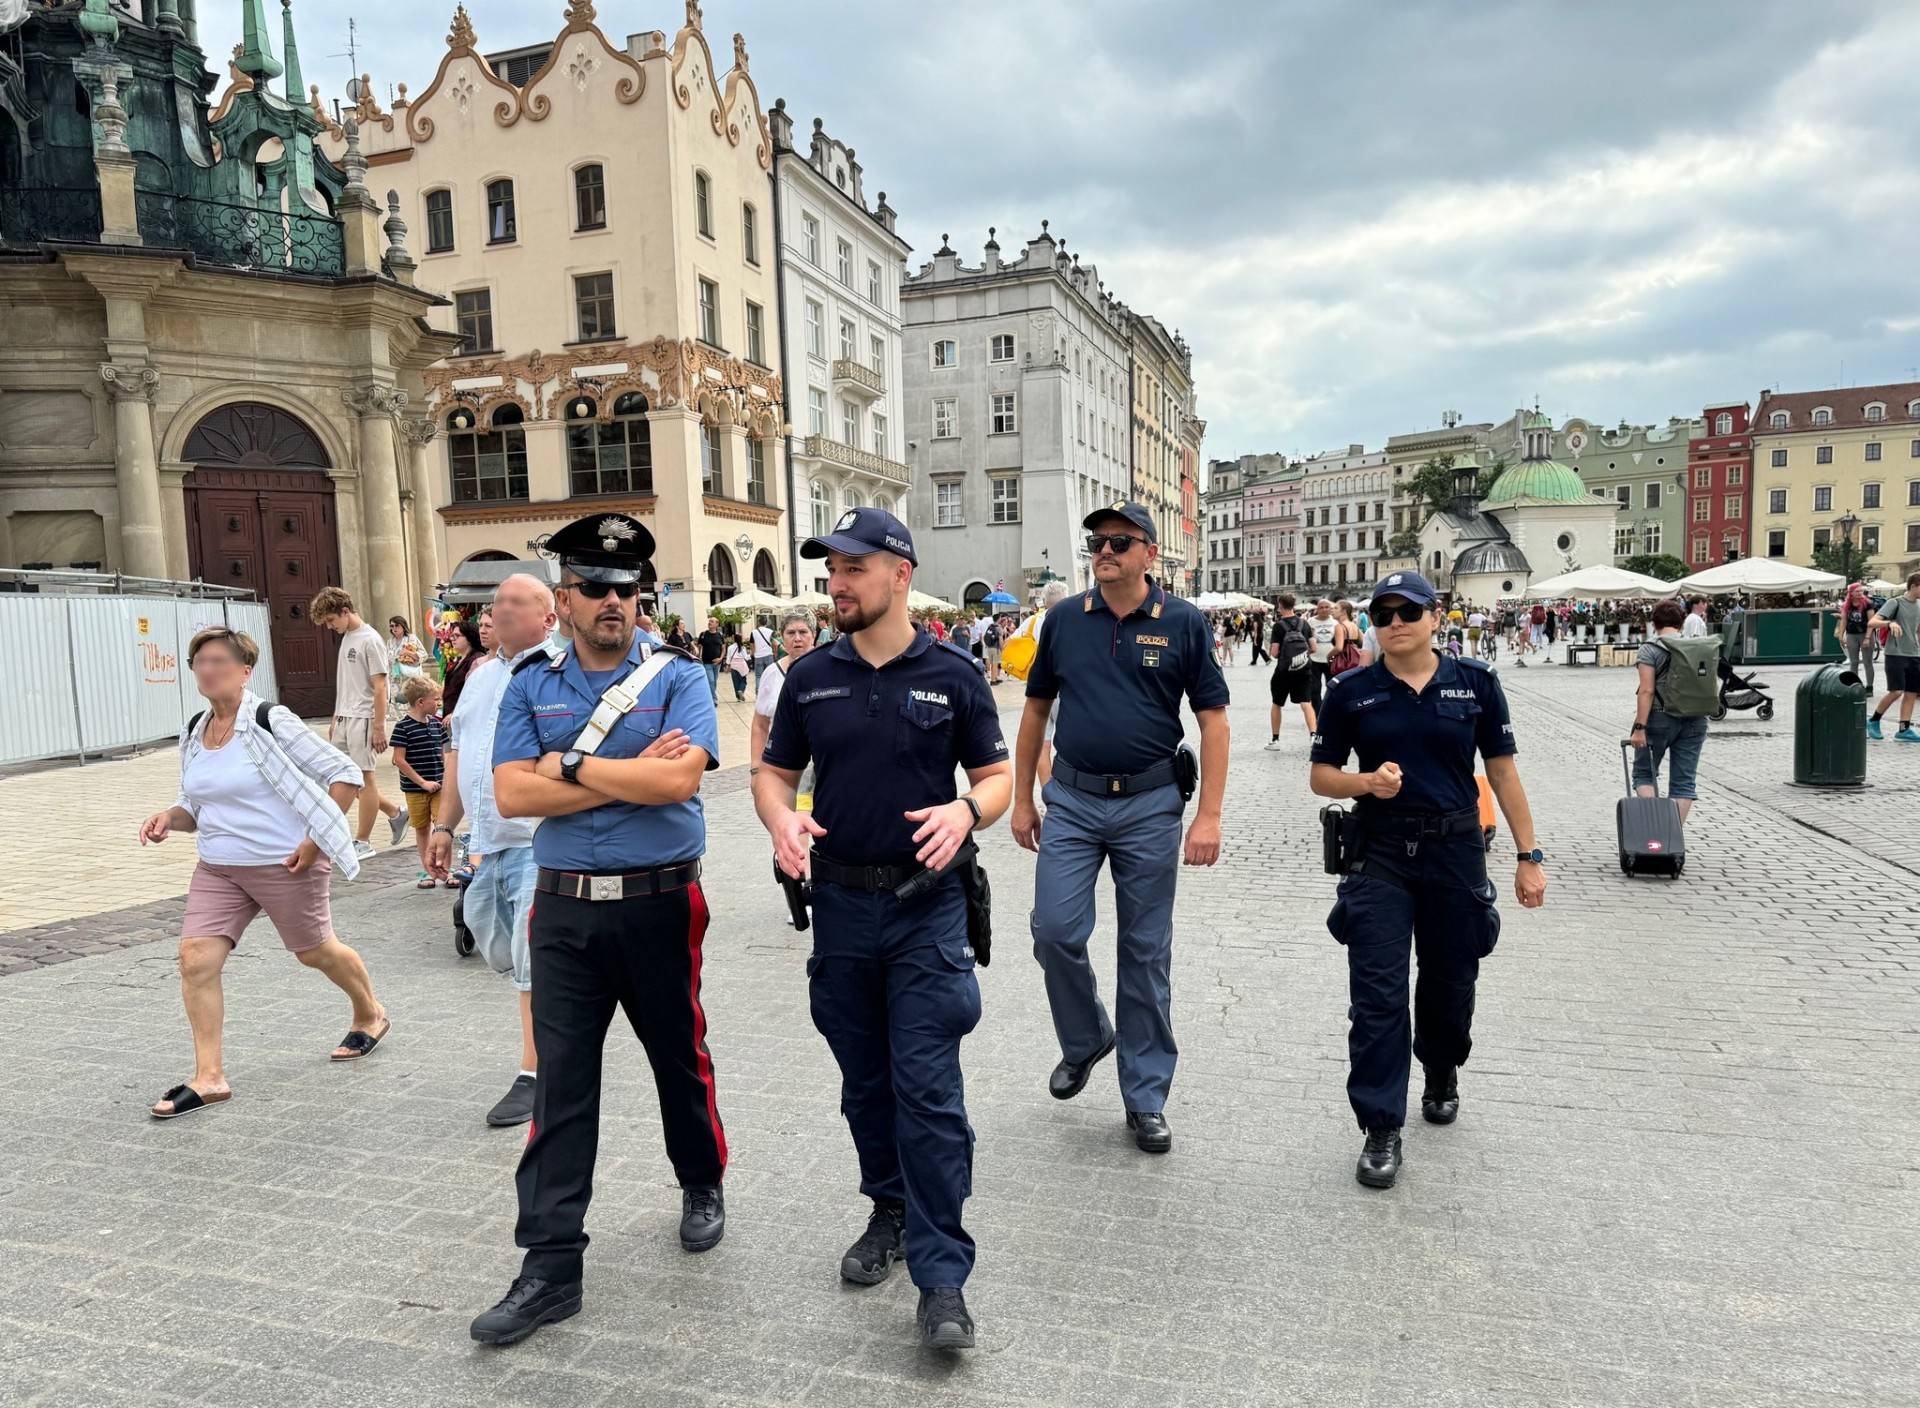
<point x="598" y="215"/>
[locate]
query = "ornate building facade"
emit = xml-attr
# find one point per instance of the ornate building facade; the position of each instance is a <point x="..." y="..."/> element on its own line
<point x="1719" y="486"/>
<point x="1827" y="463"/>
<point x="1343" y="507"/>
<point x="1166" y="434"/>
<point x="600" y="222"/>
<point x="213" y="359"/>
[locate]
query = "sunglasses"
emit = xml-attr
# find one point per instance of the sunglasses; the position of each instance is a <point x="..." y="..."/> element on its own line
<point x="1407" y="611"/>
<point x="1119" y="543"/>
<point x="597" y="591"/>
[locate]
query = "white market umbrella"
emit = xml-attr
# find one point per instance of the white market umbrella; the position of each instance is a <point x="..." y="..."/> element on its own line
<point x="1880" y="586"/>
<point x="1212" y="601"/>
<point x="752" y="599"/>
<point x="812" y="600"/>
<point x="920" y="601"/>
<point x="1757" y="574"/>
<point x="1600" y="583"/>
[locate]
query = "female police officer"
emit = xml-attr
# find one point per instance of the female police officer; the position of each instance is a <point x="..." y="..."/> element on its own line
<point x="1419" y="879"/>
<point x="885" y="714"/>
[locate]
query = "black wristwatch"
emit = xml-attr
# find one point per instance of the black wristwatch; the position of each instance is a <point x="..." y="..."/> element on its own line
<point x="1536" y="855"/>
<point x="973" y="807"/>
<point x="570" y="765"/>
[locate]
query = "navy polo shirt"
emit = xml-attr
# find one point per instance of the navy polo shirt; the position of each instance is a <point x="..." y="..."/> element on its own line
<point x="1432" y="735"/>
<point x="882" y="742"/>
<point x="545" y="706"/>
<point x="1119" y="681"/>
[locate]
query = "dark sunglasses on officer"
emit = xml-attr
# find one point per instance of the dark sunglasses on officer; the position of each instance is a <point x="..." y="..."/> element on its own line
<point x="1395" y="609"/>
<point x="596" y="591"/>
<point x="1119" y="543"/>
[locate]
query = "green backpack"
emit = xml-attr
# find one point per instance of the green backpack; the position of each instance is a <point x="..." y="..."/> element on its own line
<point x="1690" y="685"/>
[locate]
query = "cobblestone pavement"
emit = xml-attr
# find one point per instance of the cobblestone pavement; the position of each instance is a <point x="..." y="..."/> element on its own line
<point x="1683" y="1172"/>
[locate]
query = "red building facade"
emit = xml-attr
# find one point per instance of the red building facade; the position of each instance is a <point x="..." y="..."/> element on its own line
<point x="1719" y="519"/>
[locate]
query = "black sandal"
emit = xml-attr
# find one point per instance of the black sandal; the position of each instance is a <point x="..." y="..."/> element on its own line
<point x="360" y="1043"/>
<point x="186" y="1100"/>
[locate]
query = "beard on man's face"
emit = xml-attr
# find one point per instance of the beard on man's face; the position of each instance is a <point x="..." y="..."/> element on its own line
<point x="850" y="615"/>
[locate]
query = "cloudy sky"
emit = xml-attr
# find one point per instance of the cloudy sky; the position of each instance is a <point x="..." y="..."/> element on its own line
<point x="1364" y="214"/>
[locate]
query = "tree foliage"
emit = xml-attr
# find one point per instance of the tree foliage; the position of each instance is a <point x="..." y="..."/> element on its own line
<point x="1663" y="565"/>
<point x="1846" y="557"/>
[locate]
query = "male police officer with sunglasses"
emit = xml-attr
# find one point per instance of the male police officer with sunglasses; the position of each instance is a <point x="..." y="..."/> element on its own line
<point x="607" y="742"/>
<point x="1417" y="881"/>
<point x="1118" y="658"/>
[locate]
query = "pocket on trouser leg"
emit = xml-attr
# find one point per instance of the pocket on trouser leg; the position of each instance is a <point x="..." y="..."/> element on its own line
<point x="956" y="956"/>
<point x="1483" y="918"/>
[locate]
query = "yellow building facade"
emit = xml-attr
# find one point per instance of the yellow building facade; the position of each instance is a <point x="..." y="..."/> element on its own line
<point x="1823" y="457"/>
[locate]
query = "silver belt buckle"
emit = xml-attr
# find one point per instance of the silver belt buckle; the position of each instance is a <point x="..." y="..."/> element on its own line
<point x="606" y="887"/>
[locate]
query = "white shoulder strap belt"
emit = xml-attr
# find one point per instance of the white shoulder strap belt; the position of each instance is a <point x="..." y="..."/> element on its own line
<point x="619" y="700"/>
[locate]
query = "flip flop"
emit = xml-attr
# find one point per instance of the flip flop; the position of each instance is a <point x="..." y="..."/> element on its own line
<point x="360" y="1043"/>
<point x="186" y="1100"/>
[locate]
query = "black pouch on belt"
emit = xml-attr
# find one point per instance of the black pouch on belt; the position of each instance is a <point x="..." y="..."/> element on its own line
<point x="973" y="883"/>
<point x="1186" y="771"/>
<point x="1339" y="839"/>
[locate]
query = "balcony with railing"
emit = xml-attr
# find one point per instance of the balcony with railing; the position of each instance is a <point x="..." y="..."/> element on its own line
<point x="65" y="213"/>
<point x="859" y="378"/>
<point x="243" y="236"/>
<point x="851" y="457"/>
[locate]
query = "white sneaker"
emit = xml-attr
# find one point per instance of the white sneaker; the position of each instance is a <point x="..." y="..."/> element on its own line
<point x="363" y="849"/>
<point x="1273" y="745"/>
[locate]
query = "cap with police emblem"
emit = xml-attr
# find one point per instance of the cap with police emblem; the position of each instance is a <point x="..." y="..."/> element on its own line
<point x="1408" y="585"/>
<point x="603" y="547"/>
<point x="861" y="531"/>
<point x="1136" y="514"/>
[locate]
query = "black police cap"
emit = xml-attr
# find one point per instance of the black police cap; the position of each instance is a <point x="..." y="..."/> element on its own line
<point x="603" y="547"/>
<point x="861" y="531"/>
<point x="1136" y="514"/>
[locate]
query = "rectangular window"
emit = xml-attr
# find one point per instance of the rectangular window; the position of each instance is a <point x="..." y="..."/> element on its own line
<point x="1700" y="547"/>
<point x="756" y="334"/>
<point x="879" y="434"/>
<point x="845" y="262"/>
<point x="1913" y="450"/>
<point x="488" y="466"/>
<point x="703" y="204"/>
<point x="810" y="238"/>
<point x="473" y="311"/>
<point x="709" y="459"/>
<point x="1623" y="542"/>
<point x="946" y="506"/>
<point x="849" y="423"/>
<point x="846" y="339"/>
<point x="1873" y="451"/>
<point x="756" y="470"/>
<point x="750" y="234"/>
<point x="877" y="356"/>
<point x="873" y="283"/>
<point x="946" y="353"/>
<point x="1823" y="454"/>
<point x="1006" y="498"/>
<point x="1778" y="459"/>
<point x="1650" y="538"/>
<point x="500" y="221"/>
<point x="1870" y="539"/>
<point x="1913" y="537"/>
<point x="1653" y="496"/>
<point x="816" y="411"/>
<point x="1702" y="510"/>
<point x="1777" y="542"/>
<point x="1823" y="499"/>
<point x="1913" y="493"/>
<point x="440" y="234"/>
<point x="1869" y="496"/>
<point x="945" y="418"/>
<point x="613" y="457"/>
<point x="593" y="305"/>
<point x="1004" y="421"/>
<point x="1732" y="506"/>
<point x="1776" y="501"/>
<point x="710" y="312"/>
<point x="816" y="330"/>
<point x="1822" y="537"/>
<point x="1736" y="476"/>
<point x="589" y="198"/>
<point x="1703" y="477"/>
<point x="1002" y="347"/>
<point x="1623" y="493"/>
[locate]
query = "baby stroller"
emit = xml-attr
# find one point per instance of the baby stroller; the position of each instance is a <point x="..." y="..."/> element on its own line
<point x="1742" y="692"/>
<point x="463" y="941"/>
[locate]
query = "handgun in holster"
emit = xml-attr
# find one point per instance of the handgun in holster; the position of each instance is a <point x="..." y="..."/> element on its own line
<point x="798" y="893"/>
<point x="973" y="886"/>
<point x="1339" y="839"/>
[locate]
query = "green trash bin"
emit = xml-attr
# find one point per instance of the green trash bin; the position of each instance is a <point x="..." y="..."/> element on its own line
<point x="1830" y="729"/>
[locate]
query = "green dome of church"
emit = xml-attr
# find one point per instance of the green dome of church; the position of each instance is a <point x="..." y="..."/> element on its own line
<point x="1537" y="482"/>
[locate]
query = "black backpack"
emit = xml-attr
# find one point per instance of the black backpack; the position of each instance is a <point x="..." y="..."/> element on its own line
<point x="260" y="717"/>
<point x="1291" y="636"/>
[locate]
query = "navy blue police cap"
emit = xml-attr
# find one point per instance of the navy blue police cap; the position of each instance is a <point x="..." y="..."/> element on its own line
<point x="1410" y="585"/>
<point x="602" y="547"/>
<point x="1136" y="514"/>
<point x="861" y="531"/>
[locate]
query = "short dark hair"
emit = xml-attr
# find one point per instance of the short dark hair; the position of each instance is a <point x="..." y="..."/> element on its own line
<point x="242" y="645"/>
<point x="1286" y="600"/>
<point x="469" y="631"/>
<point x="1694" y="601"/>
<point x="1913" y="580"/>
<point x="1668" y="613"/>
<point x="399" y="621"/>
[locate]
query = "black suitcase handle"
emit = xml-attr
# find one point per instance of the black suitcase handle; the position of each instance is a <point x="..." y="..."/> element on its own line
<point x="1626" y="767"/>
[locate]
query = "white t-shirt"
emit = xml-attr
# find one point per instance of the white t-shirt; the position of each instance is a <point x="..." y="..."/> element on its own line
<point x="1693" y="626"/>
<point x="769" y="695"/>
<point x="762" y="643"/>
<point x="471" y="736"/>
<point x="241" y="819"/>
<point x="1323" y="637"/>
<point x="363" y="654"/>
<point x="1476" y="619"/>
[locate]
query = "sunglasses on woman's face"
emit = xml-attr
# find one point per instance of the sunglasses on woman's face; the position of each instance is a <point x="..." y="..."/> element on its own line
<point x="597" y="591"/>
<point x="1119" y="543"/>
<point x="1407" y="611"/>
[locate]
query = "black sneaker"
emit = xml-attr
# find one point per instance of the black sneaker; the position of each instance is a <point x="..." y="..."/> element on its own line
<point x="944" y="1322"/>
<point x="703" y="1218"/>
<point x="1380" y="1160"/>
<point x="529" y="1303"/>
<point x="1440" y="1100"/>
<point x="870" y="1260"/>
<point x="1150" y="1131"/>
<point x="516" y="1106"/>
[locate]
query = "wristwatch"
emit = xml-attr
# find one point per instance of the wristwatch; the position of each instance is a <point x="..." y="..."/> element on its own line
<point x="570" y="765"/>
<point x="973" y="807"/>
<point x="1536" y="855"/>
<point x="437" y="828"/>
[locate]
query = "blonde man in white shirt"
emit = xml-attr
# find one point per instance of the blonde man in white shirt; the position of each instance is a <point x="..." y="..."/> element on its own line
<point x="360" y="703"/>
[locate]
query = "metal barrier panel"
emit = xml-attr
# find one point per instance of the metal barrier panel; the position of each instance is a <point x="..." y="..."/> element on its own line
<point x="38" y="721"/>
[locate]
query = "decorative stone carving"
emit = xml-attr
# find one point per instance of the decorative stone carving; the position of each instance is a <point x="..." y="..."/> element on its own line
<point x="374" y="399"/>
<point x="419" y="430"/>
<point x="129" y="383"/>
<point x="396" y="229"/>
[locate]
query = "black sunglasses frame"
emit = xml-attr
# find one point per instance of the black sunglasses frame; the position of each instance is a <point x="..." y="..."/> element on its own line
<point x="1407" y="612"/>
<point x="1119" y="543"/>
<point x="597" y="591"/>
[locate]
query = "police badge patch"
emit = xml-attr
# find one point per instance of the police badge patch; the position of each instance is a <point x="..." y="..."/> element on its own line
<point x="847" y="520"/>
<point x="612" y="532"/>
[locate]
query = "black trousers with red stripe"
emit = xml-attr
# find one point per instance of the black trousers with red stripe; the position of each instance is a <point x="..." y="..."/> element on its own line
<point x="642" y="955"/>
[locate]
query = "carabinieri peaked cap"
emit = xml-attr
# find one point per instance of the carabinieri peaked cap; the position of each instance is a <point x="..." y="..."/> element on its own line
<point x="603" y="547"/>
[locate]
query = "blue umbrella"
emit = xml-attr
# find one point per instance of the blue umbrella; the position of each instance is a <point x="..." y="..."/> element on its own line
<point x="1000" y="599"/>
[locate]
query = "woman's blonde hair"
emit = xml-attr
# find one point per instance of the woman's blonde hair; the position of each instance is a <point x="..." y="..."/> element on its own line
<point x="245" y="649"/>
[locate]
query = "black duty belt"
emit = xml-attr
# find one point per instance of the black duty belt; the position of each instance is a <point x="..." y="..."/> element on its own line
<point x="860" y="877"/>
<point x="625" y="885"/>
<point x="1416" y="824"/>
<point x="1101" y="784"/>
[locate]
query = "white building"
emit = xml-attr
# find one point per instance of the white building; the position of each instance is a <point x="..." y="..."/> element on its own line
<point x="1344" y="526"/>
<point x="1223" y="568"/>
<point x="1017" y="416"/>
<point x="841" y="265"/>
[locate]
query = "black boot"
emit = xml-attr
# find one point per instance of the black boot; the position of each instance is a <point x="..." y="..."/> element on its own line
<point x="1069" y="1078"/>
<point x="703" y="1218"/>
<point x="528" y="1304"/>
<point x="1380" y="1160"/>
<point x="944" y="1322"/>
<point x="1151" y="1132"/>
<point x="870" y="1260"/>
<point x="1440" y="1101"/>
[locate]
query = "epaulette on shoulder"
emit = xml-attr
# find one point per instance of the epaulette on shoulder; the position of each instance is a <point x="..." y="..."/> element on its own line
<point x="1480" y="665"/>
<point x="553" y="660"/>
<point x="955" y="650"/>
<point x="681" y="651"/>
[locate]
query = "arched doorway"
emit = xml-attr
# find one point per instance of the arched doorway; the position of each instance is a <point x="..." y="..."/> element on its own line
<point x="765" y="575"/>
<point x="975" y="595"/>
<point x="259" y="506"/>
<point x="720" y="573"/>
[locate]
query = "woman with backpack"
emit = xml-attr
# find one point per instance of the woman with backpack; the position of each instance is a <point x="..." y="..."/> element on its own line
<point x="1679" y="687"/>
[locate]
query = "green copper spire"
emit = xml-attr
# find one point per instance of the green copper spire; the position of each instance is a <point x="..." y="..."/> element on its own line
<point x="296" y="90"/>
<point x="256" y="53"/>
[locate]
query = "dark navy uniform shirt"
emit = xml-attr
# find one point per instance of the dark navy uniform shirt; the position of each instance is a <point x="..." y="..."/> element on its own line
<point x="1119" y="682"/>
<point x="1432" y="735"/>
<point x="548" y="702"/>
<point x="882" y="742"/>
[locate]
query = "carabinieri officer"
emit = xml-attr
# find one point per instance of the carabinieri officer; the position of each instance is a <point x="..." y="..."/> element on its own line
<point x="607" y="742"/>
<point x="1419" y="885"/>
<point x="885" y="714"/>
<point x="1118" y="658"/>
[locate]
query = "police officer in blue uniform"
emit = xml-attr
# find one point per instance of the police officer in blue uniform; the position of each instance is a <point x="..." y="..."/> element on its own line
<point x="885" y="714"/>
<point x="1118" y="658"/>
<point x="1415" y="718"/>
<point x="607" y="741"/>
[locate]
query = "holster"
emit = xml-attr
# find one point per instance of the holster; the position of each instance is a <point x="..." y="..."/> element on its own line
<point x="798" y="893"/>
<point x="1186" y="771"/>
<point x="1340" y="839"/>
<point x="973" y="882"/>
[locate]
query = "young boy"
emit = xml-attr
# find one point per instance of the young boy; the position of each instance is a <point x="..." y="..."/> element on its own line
<point x="419" y="756"/>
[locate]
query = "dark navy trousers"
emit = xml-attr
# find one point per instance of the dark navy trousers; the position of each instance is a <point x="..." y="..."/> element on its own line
<point x="893" y="992"/>
<point x="1431" y="898"/>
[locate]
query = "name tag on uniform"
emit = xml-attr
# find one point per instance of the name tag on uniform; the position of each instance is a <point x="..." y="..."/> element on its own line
<point x="1150" y="640"/>
<point x="1456" y="694"/>
<point x="833" y="692"/>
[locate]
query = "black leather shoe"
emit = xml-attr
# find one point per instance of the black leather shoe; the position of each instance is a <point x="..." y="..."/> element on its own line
<point x="516" y="1106"/>
<point x="1069" y="1078"/>
<point x="703" y="1218"/>
<point x="529" y="1303"/>
<point x="1150" y="1132"/>
<point x="944" y="1322"/>
<point x="870" y="1260"/>
<point x="1440" y="1101"/>
<point x="1380" y="1161"/>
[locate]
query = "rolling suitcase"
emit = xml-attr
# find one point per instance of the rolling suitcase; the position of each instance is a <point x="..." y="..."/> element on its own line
<point x="1652" y="841"/>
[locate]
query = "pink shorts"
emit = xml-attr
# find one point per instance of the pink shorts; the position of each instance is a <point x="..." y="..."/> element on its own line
<point x="223" y="900"/>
